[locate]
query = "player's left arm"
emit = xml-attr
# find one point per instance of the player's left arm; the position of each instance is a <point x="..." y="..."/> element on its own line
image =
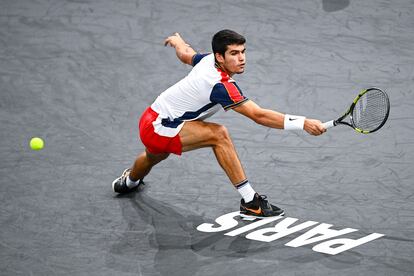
<point x="274" y="119"/>
<point x="183" y="50"/>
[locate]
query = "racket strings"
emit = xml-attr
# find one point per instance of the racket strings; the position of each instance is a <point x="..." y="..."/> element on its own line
<point x="371" y="110"/>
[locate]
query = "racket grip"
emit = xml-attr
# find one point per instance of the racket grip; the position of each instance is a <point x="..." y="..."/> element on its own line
<point x="329" y="124"/>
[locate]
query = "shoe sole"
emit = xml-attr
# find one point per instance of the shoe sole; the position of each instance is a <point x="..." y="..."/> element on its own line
<point x="252" y="217"/>
<point x="113" y="184"/>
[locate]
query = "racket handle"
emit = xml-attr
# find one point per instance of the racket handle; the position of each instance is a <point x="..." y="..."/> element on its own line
<point x="329" y="124"/>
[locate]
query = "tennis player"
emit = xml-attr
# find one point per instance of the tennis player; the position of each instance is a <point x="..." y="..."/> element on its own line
<point x="174" y="123"/>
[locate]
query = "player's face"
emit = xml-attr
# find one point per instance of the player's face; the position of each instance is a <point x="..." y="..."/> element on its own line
<point x="234" y="59"/>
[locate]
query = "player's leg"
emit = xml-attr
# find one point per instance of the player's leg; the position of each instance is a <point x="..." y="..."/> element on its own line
<point x="144" y="163"/>
<point x="157" y="149"/>
<point x="132" y="177"/>
<point x="198" y="134"/>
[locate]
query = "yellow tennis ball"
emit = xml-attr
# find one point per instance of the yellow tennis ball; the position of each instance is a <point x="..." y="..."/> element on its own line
<point x="36" y="143"/>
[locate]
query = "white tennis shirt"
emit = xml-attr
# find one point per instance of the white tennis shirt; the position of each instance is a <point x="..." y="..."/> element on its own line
<point x="197" y="96"/>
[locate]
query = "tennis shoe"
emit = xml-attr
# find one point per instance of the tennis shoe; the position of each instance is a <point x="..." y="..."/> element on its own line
<point x="259" y="207"/>
<point x="119" y="185"/>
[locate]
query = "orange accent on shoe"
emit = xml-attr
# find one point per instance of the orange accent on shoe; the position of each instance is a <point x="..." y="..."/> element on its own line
<point x="255" y="211"/>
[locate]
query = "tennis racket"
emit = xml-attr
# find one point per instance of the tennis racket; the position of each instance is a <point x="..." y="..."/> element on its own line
<point x="368" y="112"/>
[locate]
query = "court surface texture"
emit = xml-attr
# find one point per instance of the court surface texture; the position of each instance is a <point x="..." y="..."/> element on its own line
<point x="80" y="73"/>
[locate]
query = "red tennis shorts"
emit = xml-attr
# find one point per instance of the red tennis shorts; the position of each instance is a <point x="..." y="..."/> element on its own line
<point x="154" y="142"/>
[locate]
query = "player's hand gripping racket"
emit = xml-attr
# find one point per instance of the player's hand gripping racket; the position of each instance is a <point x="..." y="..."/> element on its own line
<point x="367" y="113"/>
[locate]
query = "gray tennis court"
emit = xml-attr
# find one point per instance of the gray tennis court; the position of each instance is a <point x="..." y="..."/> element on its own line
<point x="80" y="73"/>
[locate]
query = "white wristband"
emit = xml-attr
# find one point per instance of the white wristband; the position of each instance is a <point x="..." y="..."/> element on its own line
<point x="293" y="122"/>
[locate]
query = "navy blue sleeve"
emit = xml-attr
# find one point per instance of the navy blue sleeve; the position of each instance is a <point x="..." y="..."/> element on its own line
<point x="197" y="57"/>
<point x="227" y="94"/>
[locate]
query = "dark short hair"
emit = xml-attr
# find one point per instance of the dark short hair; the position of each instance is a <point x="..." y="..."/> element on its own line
<point x="224" y="38"/>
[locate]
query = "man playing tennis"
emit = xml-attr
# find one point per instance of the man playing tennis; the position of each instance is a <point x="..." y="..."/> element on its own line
<point x="174" y="123"/>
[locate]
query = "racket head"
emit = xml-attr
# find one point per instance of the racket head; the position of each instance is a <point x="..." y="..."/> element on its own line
<point x="369" y="110"/>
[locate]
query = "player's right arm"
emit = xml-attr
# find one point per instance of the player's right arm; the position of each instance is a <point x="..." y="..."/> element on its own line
<point x="274" y="119"/>
<point x="183" y="50"/>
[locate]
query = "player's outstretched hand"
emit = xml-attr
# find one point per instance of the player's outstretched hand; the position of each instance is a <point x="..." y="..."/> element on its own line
<point x="314" y="127"/>
<point x="174" y="40"/>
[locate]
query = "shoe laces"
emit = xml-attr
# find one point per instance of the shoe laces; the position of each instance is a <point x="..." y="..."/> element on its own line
<point x="263" y="201"/>
<point x="263" y="197"/>
<point x="125" y="174"/>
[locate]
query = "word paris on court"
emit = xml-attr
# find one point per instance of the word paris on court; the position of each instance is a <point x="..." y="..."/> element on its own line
<point x="320" y="234"/>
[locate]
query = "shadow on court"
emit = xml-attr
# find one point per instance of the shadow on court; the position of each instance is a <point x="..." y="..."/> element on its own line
<point x="174" y="236"/>
<point x="176" y="242"/>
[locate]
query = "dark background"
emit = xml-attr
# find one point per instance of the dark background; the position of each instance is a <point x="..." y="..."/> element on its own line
<point x="80" y="73"/>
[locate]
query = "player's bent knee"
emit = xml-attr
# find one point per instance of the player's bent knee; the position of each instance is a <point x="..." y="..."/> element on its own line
<point x="221" y="134"/>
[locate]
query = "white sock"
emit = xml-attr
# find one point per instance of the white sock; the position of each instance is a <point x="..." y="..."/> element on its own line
<point x="246" y="190"/>
<point x="130" y="183"/>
